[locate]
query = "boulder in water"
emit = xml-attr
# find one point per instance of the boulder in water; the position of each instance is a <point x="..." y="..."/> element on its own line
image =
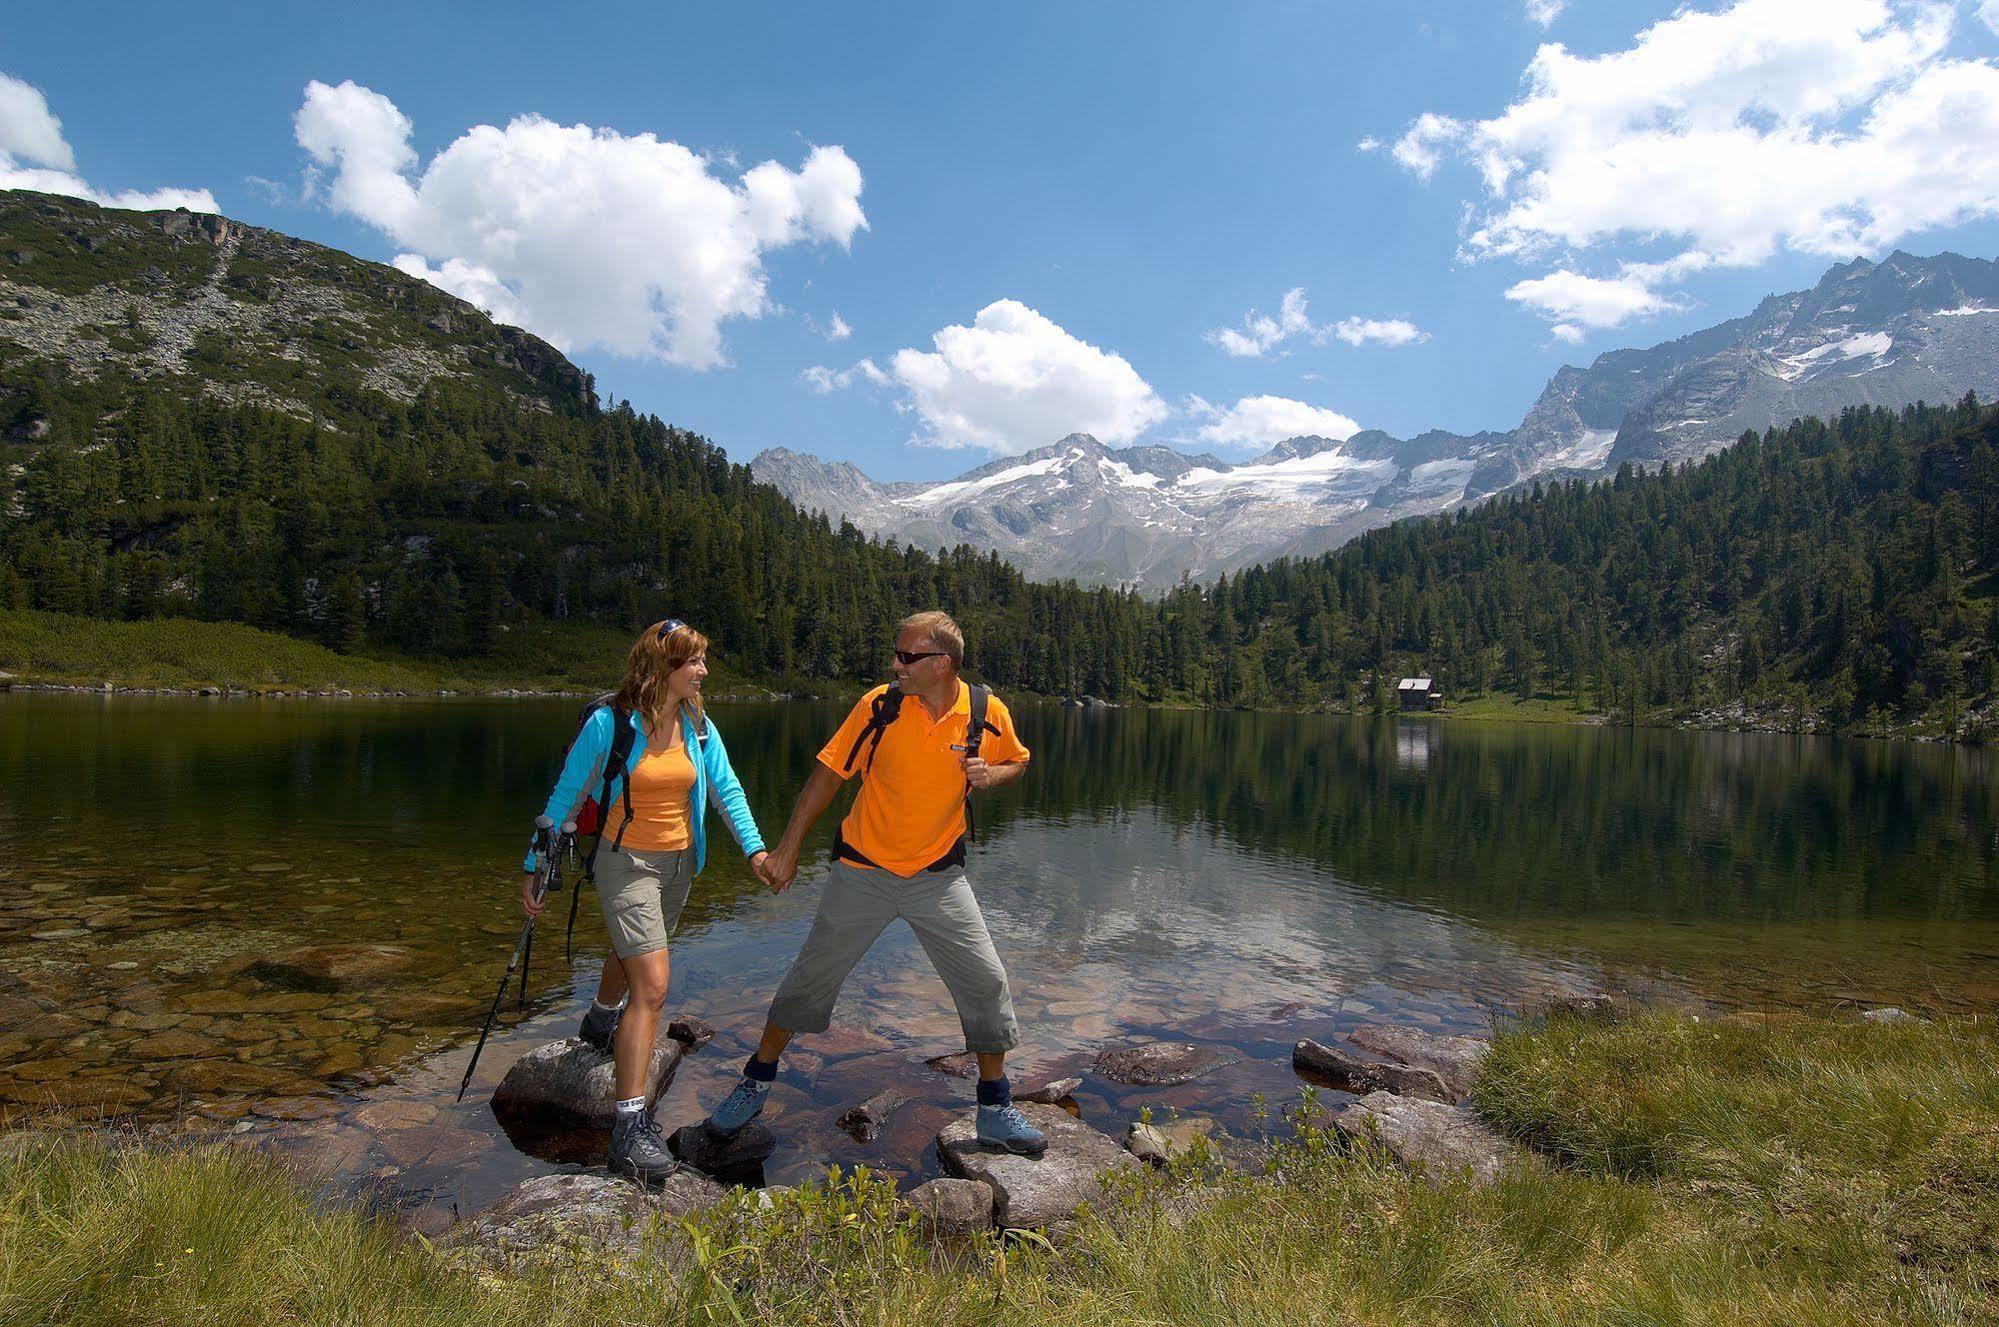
<point x="571" y="1082"/>
<point x="1163" y="1063"/>
<point x="1040" y="1190"/>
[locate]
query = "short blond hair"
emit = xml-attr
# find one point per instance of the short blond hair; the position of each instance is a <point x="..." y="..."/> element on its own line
<point x="943" y="633"/>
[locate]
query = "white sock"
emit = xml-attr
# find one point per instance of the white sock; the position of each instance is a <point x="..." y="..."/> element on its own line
<point x="636" y="1106"/>
<point x="603" y="1008"/>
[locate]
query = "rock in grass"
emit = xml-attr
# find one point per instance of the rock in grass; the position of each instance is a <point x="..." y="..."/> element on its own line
<point x="1163" y="1063"/>
<point x="738" y="1159"/>
<point x="1890" y="1016"/>
<point x="1427" y="1136"/>
<point x="951" y="1207"/>
<point x="1036" y="1191"/>
<point x="550" y="1212"/>
<point x="1146" y="1143"/>
<point x="570" y="1082"/>
<point x="1350" y="1073"/>
<point x="1453" y="1059"/>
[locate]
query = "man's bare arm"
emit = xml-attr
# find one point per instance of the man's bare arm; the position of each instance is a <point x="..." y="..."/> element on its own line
<point x="821" y="787"/>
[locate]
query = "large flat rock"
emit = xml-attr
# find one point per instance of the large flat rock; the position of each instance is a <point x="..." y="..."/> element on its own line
<point x="549" y="1212"/>
<point x="1163" y="1063"/>
<point x="1036" y="1191"/>
<point x="1453" y="1059"/>
<point x="569" y="1082"/>
<point x="1350" y="1073"/>
<point x="1439" y="1140"/>
<point x="331" y="967"/>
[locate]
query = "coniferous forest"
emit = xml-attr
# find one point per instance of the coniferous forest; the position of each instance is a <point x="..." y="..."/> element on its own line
<point x="1835" y="575"/>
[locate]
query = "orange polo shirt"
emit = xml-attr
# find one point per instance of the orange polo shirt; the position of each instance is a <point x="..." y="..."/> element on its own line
<point x="911" y="806"/>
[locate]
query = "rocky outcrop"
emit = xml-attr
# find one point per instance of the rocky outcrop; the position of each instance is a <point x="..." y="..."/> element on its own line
<point x="1350" y="1073"/>
<point x="552" y="1214"/>
<point x="569" y="1082"/>
<point x="1163" y="1063"/>
<point x="1036" y="1191"/>
<point x="1455" y="1060"/>
<point x="945" y="1207"/>
<point x="1440" y="1141"/>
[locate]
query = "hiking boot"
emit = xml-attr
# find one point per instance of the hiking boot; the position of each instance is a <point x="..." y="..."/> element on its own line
<point x="742" y="1105"/>
<point x="599" y="1028"/>
<point x="1005" y="1128"/>
<point x="638" y="1149"/>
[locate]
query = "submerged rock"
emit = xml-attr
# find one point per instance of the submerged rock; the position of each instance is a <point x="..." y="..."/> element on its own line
<point x="739" y="1159"/>
<point x="951" y="1207"/>
<point x="958" y="1064"/>
<point x="568" y="1081"/>
<point x="1163" y="1063"/>
<point x="331" y="967"/>
<point x="1453" y="1059"/>
<point x="1350" y="1073"/>
<point x="1035" y="1191"/>
<point x="1049" y="1093"/>
<point x="864" y="1122"/>
<point x="611" y="1214"/>
<point x="1428" y="1136"/>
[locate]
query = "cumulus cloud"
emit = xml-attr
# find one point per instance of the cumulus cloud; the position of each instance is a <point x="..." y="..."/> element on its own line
<point x="1260" y="333"/>
<point x="838" y="330"/>
<point x="1545" y="12"/>
<point x="35" y="155"/>
<point x="588" y="237"/>
<point x="1385" y="331"/>
<point x="1830" y="127"/>
<point x="1988" y="14"/>
<point x="1259" y="421"/>
<point x="1015" y="380"/>
<point x="824" y="380"/>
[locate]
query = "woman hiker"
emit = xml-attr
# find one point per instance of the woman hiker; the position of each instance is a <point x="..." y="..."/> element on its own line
<point x="651" y="846"/>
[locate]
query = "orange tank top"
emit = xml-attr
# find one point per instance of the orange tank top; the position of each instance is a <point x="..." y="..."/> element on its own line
<point x="660" y="784"/>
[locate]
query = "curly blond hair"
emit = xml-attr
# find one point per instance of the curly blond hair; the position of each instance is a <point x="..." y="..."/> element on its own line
<point x="652" y="659"/>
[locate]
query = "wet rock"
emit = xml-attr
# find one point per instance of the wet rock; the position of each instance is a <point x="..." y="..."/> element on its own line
<point x="569" y="1082"/>
<point x="1163" y="1063"/>
<point x="1050" y="1092"/>
<point x="837" y="1042"/>
<point x="1596" y="1004"/>
<point x="1439" y="1140"/>
<point x="1035" y="1191"/>
<point x="959" y="1064"/>
<point x="1159" y="1143"/>
<point x="175" y="1044"/>
<point x="690" y="1032"/>
<point x="393" y="1114"/>
<point x="1890" y="1016"/>
<point x="951" y="1207"/>
<point x="1453" y="1059"/>
<point x="864" y="1122"/>
<point x="732" y="1160"/>
<point x="331" y="967"/>
<point x="1350" y="1073"/>
<point x="552" y="1213"/>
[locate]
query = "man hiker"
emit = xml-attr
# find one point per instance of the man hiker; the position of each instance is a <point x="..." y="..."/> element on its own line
<point x="921" y="746"/>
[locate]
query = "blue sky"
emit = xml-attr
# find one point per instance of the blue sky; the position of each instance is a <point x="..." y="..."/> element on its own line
<point x="1090" y="195"/>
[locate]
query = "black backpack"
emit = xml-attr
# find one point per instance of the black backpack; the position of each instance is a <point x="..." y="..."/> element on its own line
<point x="881" y="714"/>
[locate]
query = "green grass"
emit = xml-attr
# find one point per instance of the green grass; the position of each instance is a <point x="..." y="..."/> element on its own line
<point x="1543" y="708"/>
<point x="1803" y="1172"/>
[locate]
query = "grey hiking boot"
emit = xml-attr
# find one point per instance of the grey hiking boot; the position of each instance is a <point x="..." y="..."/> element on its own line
<point x="1004" y="1127"/>
<point x="599" y="1027"/>
<point x="742" y="1105"/>
<point x="638" y="1149"/>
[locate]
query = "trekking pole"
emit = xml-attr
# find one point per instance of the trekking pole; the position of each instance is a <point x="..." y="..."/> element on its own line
<point x="548" y="848"/>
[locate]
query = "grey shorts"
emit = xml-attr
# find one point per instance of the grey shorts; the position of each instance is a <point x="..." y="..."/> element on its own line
<point x="642" y="894"/>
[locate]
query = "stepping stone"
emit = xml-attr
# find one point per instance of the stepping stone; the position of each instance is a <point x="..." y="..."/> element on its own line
<point x="551" y="1212"/>
<point x="1350" y="1073"/>
<point x="570" y="1082"/>
<point x="1453" y="1059"/>
<point x="1427" y="1136"/>
<point x="951" y="1207"/>
<point x="690" y="1032"/>
<point x="1163" y="1063"/>
<point x="737" y="1160"/>
<point x="1050" y="1092"/>
<point x="1036" y="1191"/>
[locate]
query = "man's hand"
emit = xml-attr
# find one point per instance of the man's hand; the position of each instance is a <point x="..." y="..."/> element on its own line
<point x="531" y="905"/>
<point x="778" y="868"/>
<point x="977" y="772"/>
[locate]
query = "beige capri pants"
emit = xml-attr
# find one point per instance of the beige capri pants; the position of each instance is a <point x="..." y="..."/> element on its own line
<point x="642" y="894"/>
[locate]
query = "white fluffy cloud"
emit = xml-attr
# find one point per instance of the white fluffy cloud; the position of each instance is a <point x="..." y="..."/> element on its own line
<point x="1260" y="333"/>
<point x="1831" y="127"/>
<point x="586" y="236"/>
<point x="824" y="380"/>
<point x="1988" y="14"/>
<point x="35" y="155"/>
<point x="1576" y="303"/>
<point x="1259" y="421"/>
<point x="1015" y="380"/>
<point x="838" y="330"/>
<point x="1545" y="12"/>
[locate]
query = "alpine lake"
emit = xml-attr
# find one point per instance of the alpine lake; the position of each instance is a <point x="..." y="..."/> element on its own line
<point x="1238" y="880"/>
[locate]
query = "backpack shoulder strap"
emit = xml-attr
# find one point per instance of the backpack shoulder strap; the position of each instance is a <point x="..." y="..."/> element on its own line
<point x="880" y="715"/>
<point x="977" y="728"/>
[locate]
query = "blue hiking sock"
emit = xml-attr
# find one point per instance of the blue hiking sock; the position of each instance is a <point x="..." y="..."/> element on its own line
<point x="763" y="1073"/>
<point x="995" y="1092"/>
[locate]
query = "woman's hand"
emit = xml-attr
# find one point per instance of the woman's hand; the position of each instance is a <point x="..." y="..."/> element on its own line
<point x="531" y="905"/>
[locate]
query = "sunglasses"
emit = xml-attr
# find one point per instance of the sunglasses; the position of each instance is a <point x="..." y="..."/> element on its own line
<point x="668" y="627"/>
<point x="906" y="658"/>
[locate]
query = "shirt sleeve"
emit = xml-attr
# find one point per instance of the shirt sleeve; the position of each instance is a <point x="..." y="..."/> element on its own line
<point x="1003" y="747"/>
<point x="834" y="754"/>
<point x="585" y="763"/>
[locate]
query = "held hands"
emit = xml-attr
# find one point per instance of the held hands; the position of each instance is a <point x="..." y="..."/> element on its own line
<point x="531" y="905"/>
<point x="776" y="869"/>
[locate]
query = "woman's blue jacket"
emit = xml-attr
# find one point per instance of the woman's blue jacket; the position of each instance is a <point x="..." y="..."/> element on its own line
<point x="714" y="781"/>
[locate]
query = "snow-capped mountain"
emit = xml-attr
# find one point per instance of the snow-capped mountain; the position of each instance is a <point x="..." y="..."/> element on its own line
<point x="1889" y="333"/>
